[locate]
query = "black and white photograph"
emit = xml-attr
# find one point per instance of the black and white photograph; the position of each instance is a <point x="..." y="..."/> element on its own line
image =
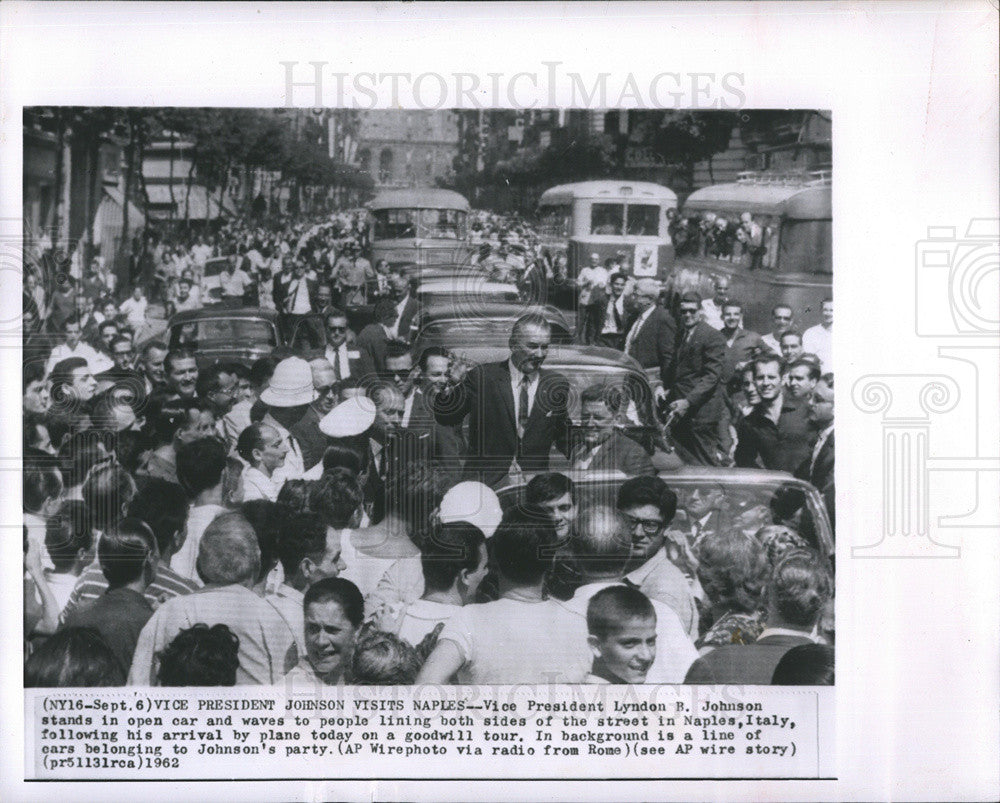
<point x="435" y="401"/>
<point x="456" y="397"/>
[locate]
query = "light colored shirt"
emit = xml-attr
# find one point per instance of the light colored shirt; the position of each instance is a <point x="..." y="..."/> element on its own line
<point x="235" y="421"/>
<point x="298" y="291"/>
<point x="824" y="436"/>
<point x="422" y="616"/>
<point x="257" y="485"/>
<point x="288" y="602"/>
<point x="771" y="342"/>
<point x="818" y="340"/>
<point x="96" y="361"/>
<point x="590" y="278"/>
<point x="294" y="465"/>
<point x="658" y="578"/>
<point x="610" y="322"/>
<point x="134" y="310"/>
<point x="675" y="652"/>
<point x="519" y="641"/>
<point x="711" y="313"/>
<point x="185" y="560"/>
<point x="267" y="644"/>
<point x="341" y="358"/>
<point x="235" y="283"/>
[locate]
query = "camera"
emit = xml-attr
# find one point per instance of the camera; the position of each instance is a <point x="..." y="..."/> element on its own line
<point x="958" y="280"/>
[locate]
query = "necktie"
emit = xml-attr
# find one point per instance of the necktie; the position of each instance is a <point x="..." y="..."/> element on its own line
<point x="522" y="408"/>
<point x="336" y="364"/>
<point x="618" y="315"/>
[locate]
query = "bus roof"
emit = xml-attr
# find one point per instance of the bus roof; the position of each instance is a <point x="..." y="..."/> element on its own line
<point x="610" y="189"/>
<point x="792" y="201"/>
<point x="421" y="198"/>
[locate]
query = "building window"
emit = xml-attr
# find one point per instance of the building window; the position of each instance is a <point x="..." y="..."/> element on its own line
<point x="385" y="165"/>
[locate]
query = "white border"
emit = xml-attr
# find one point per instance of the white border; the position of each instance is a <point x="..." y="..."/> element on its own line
<point x="912" y="87"/>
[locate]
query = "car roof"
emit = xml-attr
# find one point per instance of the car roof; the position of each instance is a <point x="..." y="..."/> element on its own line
<point x="689" y="475"/>
<point x="426" y="198"/>
<point x="476" y="284"/>
<point x="207" y="313"/>
<point x="636" y="191"/>
<point x="438" y="310"/>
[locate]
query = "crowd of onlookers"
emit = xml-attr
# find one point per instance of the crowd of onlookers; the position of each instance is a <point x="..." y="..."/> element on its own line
<point x="334" y="520"/>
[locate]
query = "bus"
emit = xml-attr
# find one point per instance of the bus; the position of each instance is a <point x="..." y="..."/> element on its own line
<point x="609" y="218"/>
<point x="770" y="234"/>
<point x="419" y="227"/>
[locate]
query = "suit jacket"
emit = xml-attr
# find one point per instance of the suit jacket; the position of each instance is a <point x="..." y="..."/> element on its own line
<point x="279" y="291"/>
<point x="486" y="398"/>
<point x="822" y="474"/>
<point x="406" y="319"/>
<point x="745" y="345"/>
<point x="619" y="453"/>
<point x="655" y="343"/>
<point x="698" y="373"/>
<point x="311" y="441"/>
<point x="596" y="312"/>
<point x="374" y="342"/>
<point x="781" y="447"/>
<point x="751" y="664"/>
<point x="447" y="443"/>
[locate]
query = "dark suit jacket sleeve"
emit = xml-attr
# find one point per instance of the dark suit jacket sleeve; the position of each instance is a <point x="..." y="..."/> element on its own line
<point x="452" y="405"/>
<point x="666" y="347"/>
<point x="713" y="361"/>
<point x="637" y="463"/>
<point x="746" y="446"/>
<point x="700" y="673"/>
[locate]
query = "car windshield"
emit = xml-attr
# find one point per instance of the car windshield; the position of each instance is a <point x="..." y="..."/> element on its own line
<point x="740" y="504"/>
<point x="236" y="333"/>
<point x="481" y="333"/>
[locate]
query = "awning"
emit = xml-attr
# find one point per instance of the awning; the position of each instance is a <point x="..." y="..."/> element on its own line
<point x="200" y="203"/>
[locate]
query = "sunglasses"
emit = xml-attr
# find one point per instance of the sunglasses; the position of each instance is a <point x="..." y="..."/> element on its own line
<point x="336" y="328"/>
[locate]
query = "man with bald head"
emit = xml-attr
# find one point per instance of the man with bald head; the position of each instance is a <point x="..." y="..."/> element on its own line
<point x="652" y="333"/>
<point x="313" y="442"/>
<point x="516" y="410"/>
<point x="602" y="547"/>
<point x="228" y="564"/>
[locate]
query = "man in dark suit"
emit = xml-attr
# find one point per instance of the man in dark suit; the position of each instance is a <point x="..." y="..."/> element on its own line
<point x="373" y="340"/>
<point x="651" y="333"/>
<point x="403" y="291"/>
<point x="447" y="443"/>
<point x="607" y="316"/>
<point x="516" y="411"/>
<point x="776" y="433"/>
<point x="800" y="588"/>
<point x="819" y="467"/>
<point x="695" y="397"/>
<point x="604" y="447"/>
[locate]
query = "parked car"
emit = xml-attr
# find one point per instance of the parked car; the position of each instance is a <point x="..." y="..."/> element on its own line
<point x="218" y="334"/>
<point x="480" y="323"/>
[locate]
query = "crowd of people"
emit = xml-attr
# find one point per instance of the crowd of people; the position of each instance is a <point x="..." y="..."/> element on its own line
<point x="335" y="521"/>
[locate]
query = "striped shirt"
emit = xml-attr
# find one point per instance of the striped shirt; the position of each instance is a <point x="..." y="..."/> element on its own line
<point x="92" y="585"/>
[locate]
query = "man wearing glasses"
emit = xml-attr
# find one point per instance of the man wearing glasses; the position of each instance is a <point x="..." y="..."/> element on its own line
<point x="307" y="432"/>
<point x="346" y="361"/>
<point x="695" y="399"/>
<point x="648" y="506"/>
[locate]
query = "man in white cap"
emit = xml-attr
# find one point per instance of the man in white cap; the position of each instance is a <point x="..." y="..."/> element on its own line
<point x="652" y="333"/>
<point x="287" y="396"/>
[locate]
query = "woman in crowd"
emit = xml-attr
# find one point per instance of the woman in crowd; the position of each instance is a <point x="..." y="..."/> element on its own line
<point x="733" y="571"/>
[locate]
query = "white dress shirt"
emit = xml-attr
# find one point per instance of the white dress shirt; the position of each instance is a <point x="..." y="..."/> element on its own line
<point x="610" y="323"/>
<point x="96" y="361"/>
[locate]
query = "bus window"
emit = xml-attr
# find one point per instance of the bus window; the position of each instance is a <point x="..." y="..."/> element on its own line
<point x="643" y="221"/>
<point x="441" y="224"/>
<point x="607" y="219"/>
<point x="554" y="220"/>
<point x="806" y="246"/>
<point x="394" y="224"/>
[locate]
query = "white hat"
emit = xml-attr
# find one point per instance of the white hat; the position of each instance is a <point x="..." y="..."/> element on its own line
<point x="291" y="385"/>
<point x="472" y="502"/>
<point x="349" y="418"/>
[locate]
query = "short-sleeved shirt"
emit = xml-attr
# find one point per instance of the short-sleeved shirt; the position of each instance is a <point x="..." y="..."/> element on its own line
<point x="514" y="641"/>
<point x="267" y="644"/>
<point x="93" y="584"/>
